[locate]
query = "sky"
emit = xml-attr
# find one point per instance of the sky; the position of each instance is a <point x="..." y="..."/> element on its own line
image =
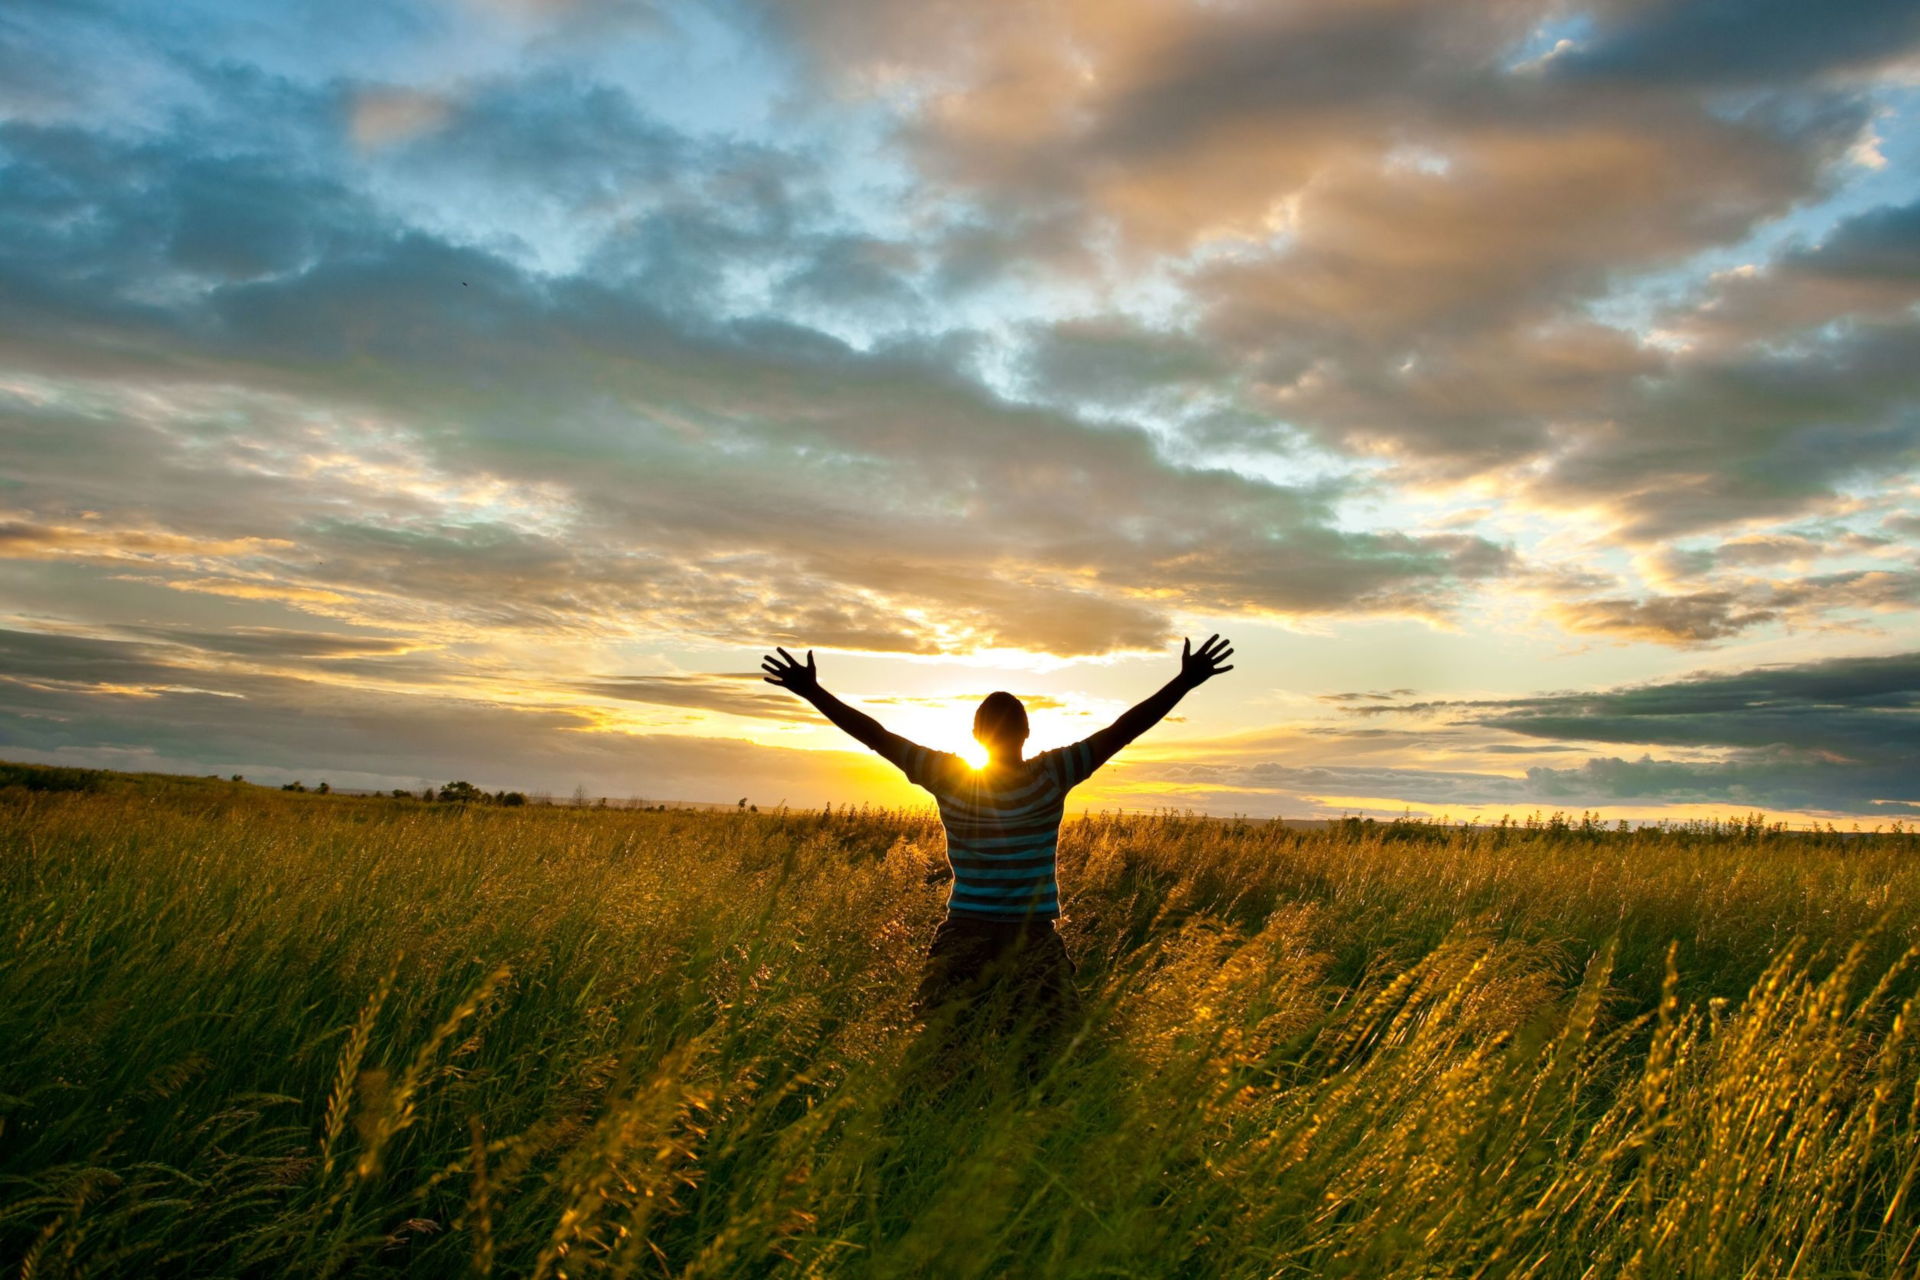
<point x="394" y="393"/>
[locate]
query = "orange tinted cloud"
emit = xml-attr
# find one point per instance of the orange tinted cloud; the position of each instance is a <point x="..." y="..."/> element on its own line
<point x="379" y="117"/>
<point x="241" y="590"/>
<point x="27" y="539"/>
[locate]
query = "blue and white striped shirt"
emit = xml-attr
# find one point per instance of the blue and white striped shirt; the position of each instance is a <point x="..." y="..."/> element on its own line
<point x="1003" y="824"/>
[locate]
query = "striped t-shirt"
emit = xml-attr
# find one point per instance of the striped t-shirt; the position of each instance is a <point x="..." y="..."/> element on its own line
<point x="1003" y="824"/>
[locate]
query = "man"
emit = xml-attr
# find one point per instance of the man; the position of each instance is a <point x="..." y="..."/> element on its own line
<point x="1003" y="826"/>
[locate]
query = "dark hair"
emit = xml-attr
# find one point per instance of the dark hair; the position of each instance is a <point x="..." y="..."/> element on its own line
<point x="1001" y="717"/>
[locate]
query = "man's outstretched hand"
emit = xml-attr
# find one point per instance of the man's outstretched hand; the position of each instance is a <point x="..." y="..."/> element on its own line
<point x="1199" y="666"/>
<point x="788" y="673"/>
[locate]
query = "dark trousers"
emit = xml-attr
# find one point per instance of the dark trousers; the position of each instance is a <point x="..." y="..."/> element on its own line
<point x="989" y="978"/>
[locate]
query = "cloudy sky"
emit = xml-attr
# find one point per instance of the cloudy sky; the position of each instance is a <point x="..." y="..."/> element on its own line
<point x="398" y="392"/>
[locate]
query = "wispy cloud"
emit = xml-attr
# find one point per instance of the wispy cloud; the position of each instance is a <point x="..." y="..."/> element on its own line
<point x="729" y="693"/>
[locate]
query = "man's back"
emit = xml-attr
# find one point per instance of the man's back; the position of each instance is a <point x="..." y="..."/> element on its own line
<point x="1003" y="826"/>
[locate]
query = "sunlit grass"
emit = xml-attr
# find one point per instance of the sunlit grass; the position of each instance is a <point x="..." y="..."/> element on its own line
<point x="253" y="1034"/>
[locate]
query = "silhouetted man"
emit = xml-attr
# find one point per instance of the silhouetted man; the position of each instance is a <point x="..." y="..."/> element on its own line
<point x="1003" y="825"/>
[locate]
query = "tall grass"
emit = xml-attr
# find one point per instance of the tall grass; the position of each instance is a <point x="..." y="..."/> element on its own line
<point x="248" y="1034"/>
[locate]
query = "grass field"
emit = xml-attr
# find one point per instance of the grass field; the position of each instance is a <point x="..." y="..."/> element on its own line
<point x="265" y="1035"/>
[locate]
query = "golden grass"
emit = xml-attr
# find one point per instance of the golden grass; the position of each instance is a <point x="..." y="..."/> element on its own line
<point x="253" y="1034"/>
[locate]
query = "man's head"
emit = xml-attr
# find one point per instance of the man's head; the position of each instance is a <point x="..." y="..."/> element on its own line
<point x="1000" y="725"/>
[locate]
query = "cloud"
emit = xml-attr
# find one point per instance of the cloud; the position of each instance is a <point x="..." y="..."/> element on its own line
<point x="865" y="279"/>
<point x="1837" y="735"/>
<point x="1867" y="697"/>
<point x="1327" y="789"/>
<point x="235" y="662"/>
<point x="1032" y="702"/>
<point x="1161" y="117"/>
<point x="1539" y="205"/>
<point x="1105" y="361"/>
<point x="672" y="470"/>
<point x="1679" y="619"/>
<point x="24" y="539"/>
<point x="81" y="659"/>
<point x="1765" y="779"/>
<point x="360" y="740"/>
<point x="1727" y="42"/>
<point x="1391" y="695"/>
<point x="719" y="691"/>
<point x="1867" y="266"/>
<point x="1762" y="549"/>
<point x="148" y="705"/>
<point x="1840" y="736"/>
<point x="1407" y="309"/>
<point x="279" y="643"/>
<point x="1701" y="616"/>
<point x="1658" y="445"/>
<point x="380" y="117"/>
<point x="1381" y="163"/>
<point x="928" y="328"/>
<point x="1392" y="240"/>
<point x="1496" y="380"/>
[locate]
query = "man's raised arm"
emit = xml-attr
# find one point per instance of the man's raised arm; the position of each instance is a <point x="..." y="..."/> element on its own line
<point x="788" y="673"/>
<point x="1197" y="666"/>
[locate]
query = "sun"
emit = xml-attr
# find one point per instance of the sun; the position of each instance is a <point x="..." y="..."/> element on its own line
<point x="939" y="720"/>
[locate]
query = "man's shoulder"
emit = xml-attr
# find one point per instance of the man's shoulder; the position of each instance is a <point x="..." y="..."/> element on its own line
<point x="1072" y="764"/>
<point x="1036" y="771"/>
<point x="944" y="769"/>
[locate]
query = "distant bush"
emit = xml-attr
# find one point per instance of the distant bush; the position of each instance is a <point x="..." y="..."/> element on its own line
<point x="466" y="793"/>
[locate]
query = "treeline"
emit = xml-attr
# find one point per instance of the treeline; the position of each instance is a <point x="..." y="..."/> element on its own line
<point x="461" y="792"/>
<point x="46" y="777"/>
<point x="1754" y="828"/>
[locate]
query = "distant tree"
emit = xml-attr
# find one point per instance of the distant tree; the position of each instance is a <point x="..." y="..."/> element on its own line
<point x="324" y="789"/>
<point x="511" y="798"/>
<point x="238" y="778"/>
<point x="294" y="786"/>
<point x="580" y="796"/>
<point x="461" y="793"/>
<point x="401" y="793"/>
<point x="753" y="808"/>
<point x="743" y="802"/>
